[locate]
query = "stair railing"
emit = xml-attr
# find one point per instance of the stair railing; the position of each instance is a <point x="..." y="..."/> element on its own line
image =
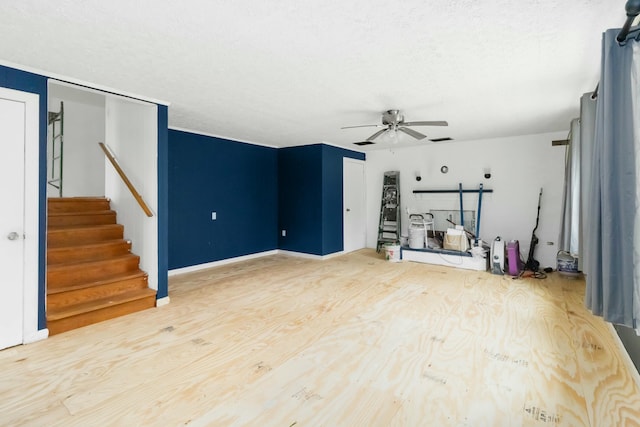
<point x="125" y="179"/>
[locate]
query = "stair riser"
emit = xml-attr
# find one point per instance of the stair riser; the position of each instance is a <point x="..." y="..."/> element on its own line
<point x="72" y="254"/>
<point x="58" y="238"/>
<point x="80" y="219"/>
<point x="73" y="274"/>
<point x="65" y="205"/>
<point x="64" y="299"/>
<point x="63" y="325"/>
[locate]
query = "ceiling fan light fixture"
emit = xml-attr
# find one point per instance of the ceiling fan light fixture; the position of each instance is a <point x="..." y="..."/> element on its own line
<point x="391" y="135"/>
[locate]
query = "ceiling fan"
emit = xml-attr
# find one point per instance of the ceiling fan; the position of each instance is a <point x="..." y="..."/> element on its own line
<point x="392" y="122"/>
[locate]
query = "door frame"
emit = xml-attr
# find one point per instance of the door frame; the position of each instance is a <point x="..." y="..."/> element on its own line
<point x="30" y="332"/>
<point x="346" y="160"/>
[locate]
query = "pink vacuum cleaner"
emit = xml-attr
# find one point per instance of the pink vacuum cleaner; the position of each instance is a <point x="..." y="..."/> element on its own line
<point x="513" y="258"/>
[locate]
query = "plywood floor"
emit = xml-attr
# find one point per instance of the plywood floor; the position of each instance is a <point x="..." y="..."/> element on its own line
<point x="351" y="341"/>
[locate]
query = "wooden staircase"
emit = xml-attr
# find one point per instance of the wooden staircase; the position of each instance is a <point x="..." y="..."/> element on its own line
<point x="91" y="273"/>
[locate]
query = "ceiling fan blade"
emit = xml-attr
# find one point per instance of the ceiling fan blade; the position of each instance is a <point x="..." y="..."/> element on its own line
<point x="413" y="133"/>
<point x="377" y="134"/>
<point x="362" y="126"/>
<point x="427" y="123"/>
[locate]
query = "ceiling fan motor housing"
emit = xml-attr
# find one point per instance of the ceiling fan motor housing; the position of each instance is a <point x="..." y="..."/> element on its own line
<point x="392" y="117"/>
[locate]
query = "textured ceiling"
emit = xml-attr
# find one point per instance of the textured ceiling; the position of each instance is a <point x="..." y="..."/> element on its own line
<point x="290" y="72"/>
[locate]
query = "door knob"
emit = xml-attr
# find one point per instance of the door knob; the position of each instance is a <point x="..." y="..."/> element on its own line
<point x="13" y="236"/>
<point x="348" y="210"/>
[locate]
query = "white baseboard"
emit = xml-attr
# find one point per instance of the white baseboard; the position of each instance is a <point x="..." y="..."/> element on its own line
<point x="310" y="256"/>
<point x="162" y="301"/>
<point x="192" y="268"/>
<point x="631" y="368"/>
<point x="204" y="266"/>
<point x="40" y="335"/>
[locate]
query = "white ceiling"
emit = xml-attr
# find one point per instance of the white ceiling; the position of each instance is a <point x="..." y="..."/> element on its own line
<point x="291" y="72"/>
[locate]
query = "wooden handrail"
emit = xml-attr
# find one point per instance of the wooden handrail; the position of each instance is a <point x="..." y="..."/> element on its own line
<point x="128" y="183"/>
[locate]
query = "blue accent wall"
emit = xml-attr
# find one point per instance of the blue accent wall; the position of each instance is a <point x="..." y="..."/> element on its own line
<point x="163" y="202"/>
<point x="300" y="199"/>
<point x="310" y="198"/>
<point x="238" y="181"/>
<point x="28" y="82"/>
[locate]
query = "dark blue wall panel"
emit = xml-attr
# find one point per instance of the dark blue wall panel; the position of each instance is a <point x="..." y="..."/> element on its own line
<point x="163" y="205"/>
<point x="34" y="83"/>
<point x="310" y="198"/>
<point x="300" y="198"/>
<point x="237" y="181"/>
<point x="332" y="196"/>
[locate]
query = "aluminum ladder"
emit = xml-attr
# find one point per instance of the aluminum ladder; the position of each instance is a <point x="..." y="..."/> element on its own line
<point x="390" y="214"/>
<point x="56" y="121"/>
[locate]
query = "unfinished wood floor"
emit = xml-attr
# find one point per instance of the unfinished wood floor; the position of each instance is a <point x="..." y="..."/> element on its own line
<point x="351" y="341"/>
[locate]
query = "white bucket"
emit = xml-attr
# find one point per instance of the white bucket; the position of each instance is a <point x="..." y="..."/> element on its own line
<point x="567" y="264"/>
<point x="416" y="237"/>
<point x="392" y="253"/>
<point x="478" y="252"/>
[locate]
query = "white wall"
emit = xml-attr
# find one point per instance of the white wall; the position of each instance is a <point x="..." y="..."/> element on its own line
<point x="84" y="127"/>
<point x="131" y="132"/>
<point x="519" y="165"/>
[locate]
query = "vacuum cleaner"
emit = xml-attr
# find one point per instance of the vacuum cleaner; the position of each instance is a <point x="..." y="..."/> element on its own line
<point x="497" y="256"/>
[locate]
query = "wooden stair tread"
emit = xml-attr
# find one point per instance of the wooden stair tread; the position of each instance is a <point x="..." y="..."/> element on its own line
<point x="99" y="212"/>
<point x="97" y="304"/>
<point x="88" y="251"/>
<point x="64" y="236"/>
<point x="78" y="199"/>
<point x="99" y="244"/>
<point x="96" y="244"/>
<point x="110" y="279"/>
<point x="66" y="228"/>
<point x="89" y="263"/>
<point x="77" y="204"/>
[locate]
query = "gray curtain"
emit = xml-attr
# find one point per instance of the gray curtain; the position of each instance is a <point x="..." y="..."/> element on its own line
<point x="569" y="239"/>
<point x="610" y="255"/>
<point x="587" y="134"/>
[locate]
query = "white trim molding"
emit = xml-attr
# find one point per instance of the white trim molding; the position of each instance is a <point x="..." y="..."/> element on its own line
<point x="161" y="302"/>
<point x="192" y="268"/>
<point x="64" y="79"/>
<point x="195" y="132"/>
<point x="310" y="256"/>
<point x="40" y="335"/>
<point x="204" y="266"/>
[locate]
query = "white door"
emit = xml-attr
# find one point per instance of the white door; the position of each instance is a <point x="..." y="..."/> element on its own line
<point x="353" y="186"/>
<point x="12" y="136"/>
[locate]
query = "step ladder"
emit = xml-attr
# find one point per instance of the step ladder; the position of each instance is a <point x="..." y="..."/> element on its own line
<point x="389" y="227"/>
<point x="56" y="121"/>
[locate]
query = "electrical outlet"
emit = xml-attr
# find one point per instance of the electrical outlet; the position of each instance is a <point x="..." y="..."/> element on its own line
<point x="284" y="233"/>
<point x="214" y="216"/>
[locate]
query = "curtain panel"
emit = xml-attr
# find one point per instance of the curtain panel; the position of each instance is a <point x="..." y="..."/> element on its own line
<point x="612" y="213"/>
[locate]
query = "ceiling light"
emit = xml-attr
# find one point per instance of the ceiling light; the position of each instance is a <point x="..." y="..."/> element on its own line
<point x="391" y="135"/>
